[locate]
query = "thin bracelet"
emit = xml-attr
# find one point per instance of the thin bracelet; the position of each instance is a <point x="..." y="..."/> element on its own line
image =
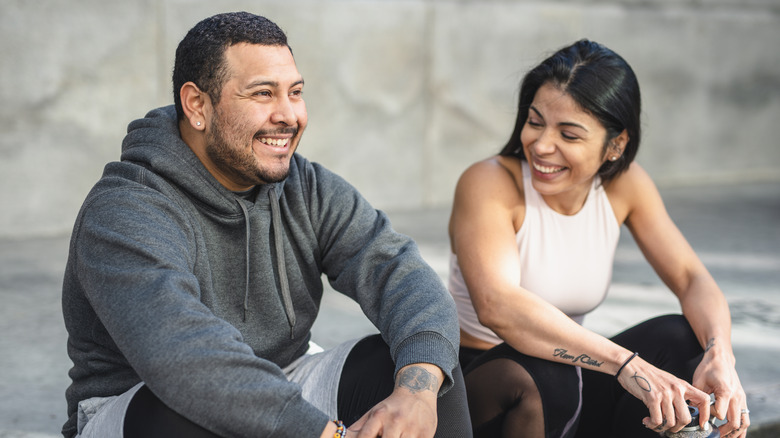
<point x="341" y="431"/>
<point x="626" y="363"/>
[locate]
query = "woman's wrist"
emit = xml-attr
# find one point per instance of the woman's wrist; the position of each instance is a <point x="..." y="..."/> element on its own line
<point x="718" y="350"/>
<point x="625" y="363"/>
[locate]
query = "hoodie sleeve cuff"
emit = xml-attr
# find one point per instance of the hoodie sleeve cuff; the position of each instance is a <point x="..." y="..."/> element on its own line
<point x="301" y="419"/>
<point x="428" y="347"/>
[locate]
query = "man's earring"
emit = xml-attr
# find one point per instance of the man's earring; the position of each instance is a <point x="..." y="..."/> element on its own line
<point x="613" y="158"/>
<point x="197" y="123"/>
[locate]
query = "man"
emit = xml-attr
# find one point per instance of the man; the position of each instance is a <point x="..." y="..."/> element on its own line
<point x="194" y="273"/>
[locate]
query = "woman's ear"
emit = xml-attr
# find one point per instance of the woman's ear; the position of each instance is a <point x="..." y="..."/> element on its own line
<point x="617" y="145"/>
<point x="194" y="102"/>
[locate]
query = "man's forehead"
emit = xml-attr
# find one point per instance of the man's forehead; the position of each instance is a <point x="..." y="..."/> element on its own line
<point x="255" y="63"/>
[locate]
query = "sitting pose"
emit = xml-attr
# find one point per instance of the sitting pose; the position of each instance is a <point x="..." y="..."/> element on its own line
<point x="533" y="234"/>
<point x="195" y="273"/>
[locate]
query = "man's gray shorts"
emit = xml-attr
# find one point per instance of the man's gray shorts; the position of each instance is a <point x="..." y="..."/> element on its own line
<point x="317" y="372"/>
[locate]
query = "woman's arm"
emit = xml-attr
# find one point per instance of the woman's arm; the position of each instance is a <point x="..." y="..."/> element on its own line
<point x="487" y="211"/>
<point x="701" y="300"/>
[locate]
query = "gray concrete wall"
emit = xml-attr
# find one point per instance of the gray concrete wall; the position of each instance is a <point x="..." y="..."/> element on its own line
<point x="402" y="95"/>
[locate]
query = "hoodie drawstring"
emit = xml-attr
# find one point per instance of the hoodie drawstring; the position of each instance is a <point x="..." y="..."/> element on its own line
<point x="246" y="282"/>
<point x="280" y="264"/>
<point x="278" y="238"/>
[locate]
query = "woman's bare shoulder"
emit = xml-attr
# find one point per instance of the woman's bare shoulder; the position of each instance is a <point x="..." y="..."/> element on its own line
<point x="630" y="189"/>
<point x="493" y="173"/>
<point x="489" y="190"/>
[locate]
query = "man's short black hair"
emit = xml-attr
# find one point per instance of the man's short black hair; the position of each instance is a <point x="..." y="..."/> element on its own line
<point x="200" y="57"/>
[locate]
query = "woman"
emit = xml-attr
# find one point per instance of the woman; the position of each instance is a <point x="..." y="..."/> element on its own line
<point x="533" y="233"/>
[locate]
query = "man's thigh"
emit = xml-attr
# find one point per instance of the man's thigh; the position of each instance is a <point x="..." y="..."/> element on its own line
<point x="368" y="377"/>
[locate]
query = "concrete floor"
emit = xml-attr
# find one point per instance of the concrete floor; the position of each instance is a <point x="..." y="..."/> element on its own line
<point x="735" y="229"/>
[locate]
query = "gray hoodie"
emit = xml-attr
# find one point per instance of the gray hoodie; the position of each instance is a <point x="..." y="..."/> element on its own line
<point x="204" y="296"/>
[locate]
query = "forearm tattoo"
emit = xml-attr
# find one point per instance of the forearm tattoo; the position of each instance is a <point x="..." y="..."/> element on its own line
<point x="582" y="358"/>
<point x="417" y="379"/>
<point x="710" y="344"/>
<point x="641" y="382"/>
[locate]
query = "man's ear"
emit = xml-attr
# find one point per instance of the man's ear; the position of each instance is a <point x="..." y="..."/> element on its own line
<point x="195" y="104"/>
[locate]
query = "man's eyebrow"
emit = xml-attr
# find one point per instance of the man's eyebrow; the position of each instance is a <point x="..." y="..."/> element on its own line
<point x="256" y="84"/>
<point x="270" y="83"/>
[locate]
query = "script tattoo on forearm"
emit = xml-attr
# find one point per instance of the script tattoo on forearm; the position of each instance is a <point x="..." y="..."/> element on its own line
<point x="710" y="344"/>
<point x="417" y="379"/>
<point x="642" y="383"/>
<point x="582" y="358"/>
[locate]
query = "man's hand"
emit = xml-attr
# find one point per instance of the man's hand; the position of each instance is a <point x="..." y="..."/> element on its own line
<point x="410" y="411"/>
<point x="329" y="431"/>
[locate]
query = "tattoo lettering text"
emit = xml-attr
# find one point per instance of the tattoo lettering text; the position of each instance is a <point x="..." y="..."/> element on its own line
<point x="710" y="344"/>
<point x="582" y="358"/>
<point x="417" y="379"/>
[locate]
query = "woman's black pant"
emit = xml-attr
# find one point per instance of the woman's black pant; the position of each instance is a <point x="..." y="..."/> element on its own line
<point x="604" y="408"/>
<point x="367" y="379"/>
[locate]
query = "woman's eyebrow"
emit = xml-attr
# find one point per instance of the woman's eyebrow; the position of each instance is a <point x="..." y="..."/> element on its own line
<point x="576" y="125"/>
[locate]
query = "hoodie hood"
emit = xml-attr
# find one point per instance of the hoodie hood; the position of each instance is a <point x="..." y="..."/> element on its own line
<point x="155" y="143"/>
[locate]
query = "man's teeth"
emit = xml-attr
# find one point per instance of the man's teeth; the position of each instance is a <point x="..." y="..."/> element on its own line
<point x="274" y="141"/>
<point x="547" y="169"/>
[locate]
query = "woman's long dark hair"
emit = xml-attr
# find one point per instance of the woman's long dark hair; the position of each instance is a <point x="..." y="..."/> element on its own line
<point x="601" y="82"/>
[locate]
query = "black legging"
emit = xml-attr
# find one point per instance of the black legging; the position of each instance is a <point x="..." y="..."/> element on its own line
<point x="607" y="410"/>
<point x="367" y="379"/>
<point x="666" y="342"/>
<point x="495" y="380"/>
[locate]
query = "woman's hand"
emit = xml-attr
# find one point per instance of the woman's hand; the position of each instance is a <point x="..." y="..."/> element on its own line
<point x="664" y="395"/>
<point x="717" y="375"/>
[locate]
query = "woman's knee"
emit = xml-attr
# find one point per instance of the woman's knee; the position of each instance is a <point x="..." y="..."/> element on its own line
<point x="524" y="394"/>
<point x="666" y="333"/>
<point x="672" y="327"/>
<point x="502" y="380"/>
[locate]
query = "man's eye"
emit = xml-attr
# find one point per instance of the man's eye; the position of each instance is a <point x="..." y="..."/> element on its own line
<point x="264" y="93"/>
<point x="296" y="93"/>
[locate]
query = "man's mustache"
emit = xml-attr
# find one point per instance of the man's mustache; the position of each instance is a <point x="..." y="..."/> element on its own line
<point x="282" y="131"/>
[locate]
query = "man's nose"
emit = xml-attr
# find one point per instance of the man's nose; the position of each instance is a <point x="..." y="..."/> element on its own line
<point x="284" y="112"/>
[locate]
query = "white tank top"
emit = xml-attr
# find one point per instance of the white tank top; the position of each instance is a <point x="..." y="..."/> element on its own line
<point x="566" y="260"/>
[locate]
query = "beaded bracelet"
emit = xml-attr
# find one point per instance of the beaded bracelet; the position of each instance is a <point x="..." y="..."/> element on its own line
<point x="341" y="431"/>
<point x="626" y="363"/>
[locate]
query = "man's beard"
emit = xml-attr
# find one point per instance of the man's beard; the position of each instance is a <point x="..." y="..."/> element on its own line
<point x="238" y="162"/>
